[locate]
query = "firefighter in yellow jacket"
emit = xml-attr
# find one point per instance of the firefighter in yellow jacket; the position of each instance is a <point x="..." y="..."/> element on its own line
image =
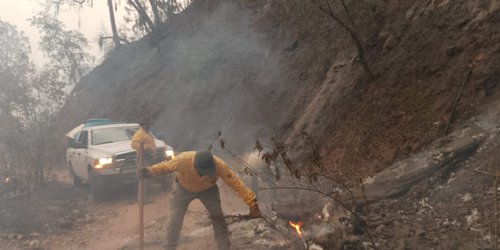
<point x="196" y="177"/>
<point x="143" y="142"/>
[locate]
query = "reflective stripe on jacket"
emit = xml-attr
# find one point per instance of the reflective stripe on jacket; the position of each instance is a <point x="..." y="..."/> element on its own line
<point x="190" y="179"/>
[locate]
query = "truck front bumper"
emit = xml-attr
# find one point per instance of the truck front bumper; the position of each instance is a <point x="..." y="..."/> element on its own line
<point x="116" y="178"/>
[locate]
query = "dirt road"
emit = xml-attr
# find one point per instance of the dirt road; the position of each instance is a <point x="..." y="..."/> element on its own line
<point x="114" y="224"/>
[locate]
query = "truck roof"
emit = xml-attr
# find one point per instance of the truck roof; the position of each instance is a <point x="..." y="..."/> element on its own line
<point x="94" y="123"/>
<point x="97" y="122"/>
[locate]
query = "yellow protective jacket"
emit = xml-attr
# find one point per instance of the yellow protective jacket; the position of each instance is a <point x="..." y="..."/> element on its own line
<point x="190" y="179"/>
<point x="145" y="138"/>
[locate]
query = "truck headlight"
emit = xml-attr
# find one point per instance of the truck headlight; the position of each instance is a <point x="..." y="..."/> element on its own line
<point x="170" y="153"/>
<point x="101" y="162"/>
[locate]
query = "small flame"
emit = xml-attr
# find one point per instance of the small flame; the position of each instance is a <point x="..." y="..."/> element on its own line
<point x="297" y="226"/>
<point x="7" y="179"/>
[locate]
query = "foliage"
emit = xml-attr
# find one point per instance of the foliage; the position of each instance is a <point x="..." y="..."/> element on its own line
<point x="139" y="18"/>
<point x="29" y="101"/>
<point x="66" y="49"/>
<point x="141" y="11"/>
<point x="14" y="63"/>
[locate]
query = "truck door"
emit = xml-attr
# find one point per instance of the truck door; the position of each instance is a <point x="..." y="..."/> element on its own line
<point x="80" y="153"/>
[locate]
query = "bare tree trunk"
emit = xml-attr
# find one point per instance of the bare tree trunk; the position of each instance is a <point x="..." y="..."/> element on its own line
<point x="142" y="13"/>
<point x="116" y="37"/>
<point x="172" y="5"/>
<point x="154" y="5"/>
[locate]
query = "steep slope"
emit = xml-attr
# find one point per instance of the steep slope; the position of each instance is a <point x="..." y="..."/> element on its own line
<point x="262" y="69"/>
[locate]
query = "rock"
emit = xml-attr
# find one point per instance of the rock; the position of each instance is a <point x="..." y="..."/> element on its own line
<point x="466" y="197"/>
<point x="261" y="228"/>
<point x="379" y="228"/>
<point x="479" y="137"/>
<point x="389" y="43"/>
<point x="404" y="174"/>
<point x="34" y="243"/>
<point x="327" y="211"/>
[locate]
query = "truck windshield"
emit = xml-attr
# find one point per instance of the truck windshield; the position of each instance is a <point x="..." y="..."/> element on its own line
<point x="115" y="134"/>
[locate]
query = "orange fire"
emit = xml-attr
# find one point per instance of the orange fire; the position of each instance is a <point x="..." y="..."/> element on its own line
<point x="298" y="227"/>
<point x="7" y="179"/>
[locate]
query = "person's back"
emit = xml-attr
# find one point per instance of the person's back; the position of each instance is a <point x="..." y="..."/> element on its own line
<point x="197" y="174"/>
<point x="143" y="142"/>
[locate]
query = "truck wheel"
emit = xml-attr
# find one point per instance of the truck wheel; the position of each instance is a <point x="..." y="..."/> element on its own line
<point x="75" y="180"/>
<point x="96" y="190"/>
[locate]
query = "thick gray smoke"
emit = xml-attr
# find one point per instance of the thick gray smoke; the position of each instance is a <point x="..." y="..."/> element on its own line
<point x="212" y="82"/>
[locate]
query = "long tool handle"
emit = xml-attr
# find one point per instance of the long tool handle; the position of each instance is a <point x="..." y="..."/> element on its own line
<point x="141" y="213"/>
<point x="140" y="198"/>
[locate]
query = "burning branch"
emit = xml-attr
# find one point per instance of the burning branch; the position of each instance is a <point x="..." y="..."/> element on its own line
<point x="297" y="226"/>
<point x="341" y="203"/>
<point x="313" y="168"/>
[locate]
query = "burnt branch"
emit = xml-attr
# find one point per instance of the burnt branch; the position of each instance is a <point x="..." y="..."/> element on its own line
<point x="328" y="10"/>
<point x="247" y="168"/>
<point x="342" y="204"/>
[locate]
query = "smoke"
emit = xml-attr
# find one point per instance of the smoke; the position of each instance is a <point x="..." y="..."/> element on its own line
<point x="320" y="231"/>
<point x="213" y="82"/>
<point x="490" y="119"/>
<point x="213" y="72"/>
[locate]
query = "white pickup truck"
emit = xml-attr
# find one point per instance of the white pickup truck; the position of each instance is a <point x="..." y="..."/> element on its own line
<point x="100" y="154"/>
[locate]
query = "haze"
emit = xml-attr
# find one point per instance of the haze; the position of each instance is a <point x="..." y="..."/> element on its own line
<point x="89" y="21"/>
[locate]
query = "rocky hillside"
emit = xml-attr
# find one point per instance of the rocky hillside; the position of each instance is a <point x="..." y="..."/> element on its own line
<point x="262" y="69"/>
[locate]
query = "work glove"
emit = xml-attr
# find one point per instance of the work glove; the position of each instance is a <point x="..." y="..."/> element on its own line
<point x="143" y="173"/>
<point x="255" y="211"/>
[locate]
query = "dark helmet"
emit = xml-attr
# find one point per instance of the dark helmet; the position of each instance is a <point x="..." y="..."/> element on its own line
<point x="204" y="162"/>
<point x="146" y="122"/>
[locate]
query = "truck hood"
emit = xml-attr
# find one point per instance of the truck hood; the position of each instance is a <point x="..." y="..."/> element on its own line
<point x="122" y="146"/>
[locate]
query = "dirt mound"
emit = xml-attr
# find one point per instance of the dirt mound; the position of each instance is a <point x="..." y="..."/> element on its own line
<point x="262" y="69"/>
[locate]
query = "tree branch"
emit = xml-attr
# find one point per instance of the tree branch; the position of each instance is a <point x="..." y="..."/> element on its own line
<point x="351" y="211"/>
<point x="349" y="30"/>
